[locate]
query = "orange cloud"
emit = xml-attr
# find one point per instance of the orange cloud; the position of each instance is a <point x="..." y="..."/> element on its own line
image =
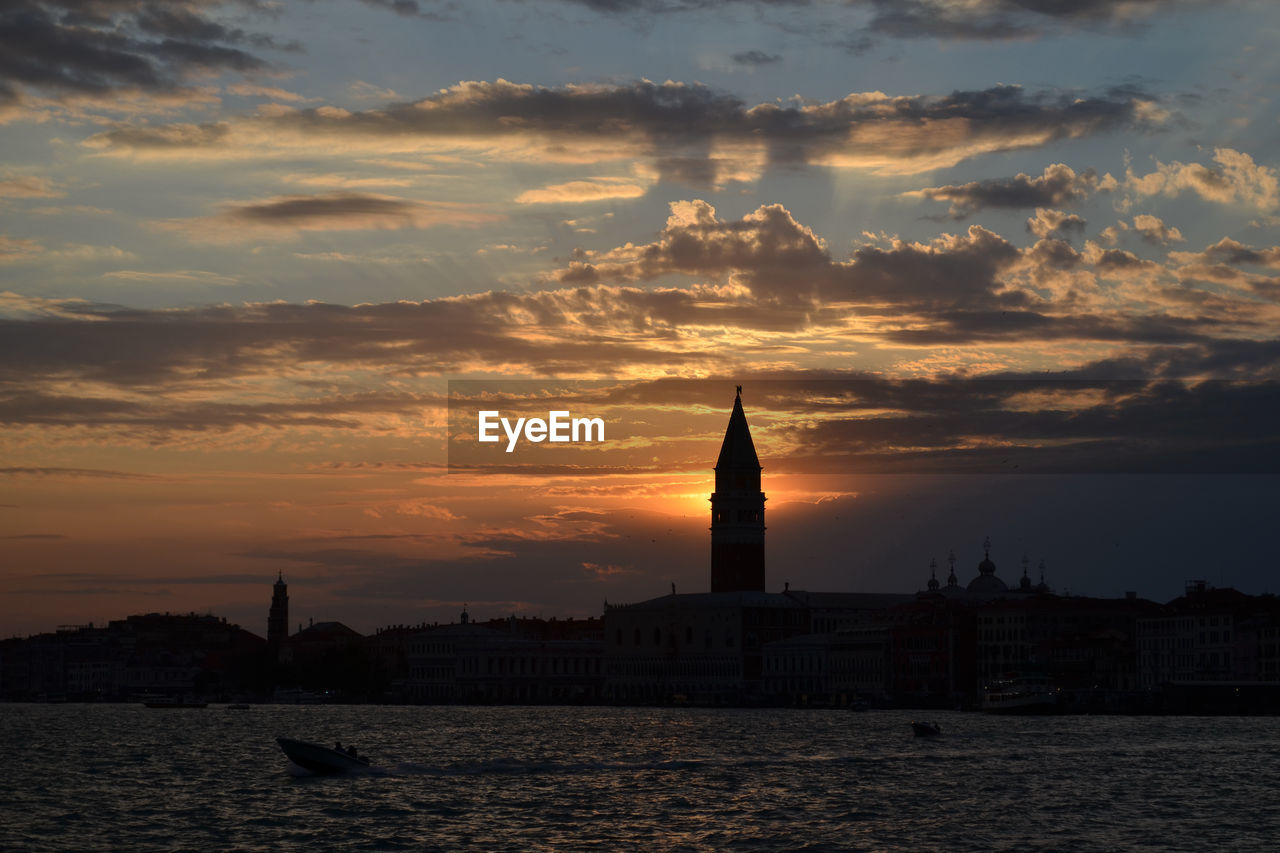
<point x="577" y="192"/>
<point x="1237" y="179"/>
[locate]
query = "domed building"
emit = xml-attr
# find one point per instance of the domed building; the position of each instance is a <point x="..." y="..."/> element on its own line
<point x="986" y="584"/>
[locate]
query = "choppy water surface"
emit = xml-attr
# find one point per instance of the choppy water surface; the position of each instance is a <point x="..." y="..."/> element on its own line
<point x="95" y="777"/>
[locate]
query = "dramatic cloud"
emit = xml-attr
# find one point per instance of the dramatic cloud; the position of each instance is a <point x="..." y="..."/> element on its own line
<point x="1047" y="222"/>
<point x="1058" y="186"/>
<point x="1007" y="19"/>
<point x="1229" y="251"/>
<point x="1154" y="231"/>
<point x="767" y="244"/>
<point x="1227" y="262"/>
<point x="945" y="19"/>
<point x="575" y="192"/>
<point x="1041" y="425"/>
<point x="96" y="51"/>
<point x="767" y="291"/>
<point x="669" y="124"/>
<point x="778" y="259"/>
<point x="343" y="211"/>
<point x="597" y="330"/>
<point x="1236" y="180"/>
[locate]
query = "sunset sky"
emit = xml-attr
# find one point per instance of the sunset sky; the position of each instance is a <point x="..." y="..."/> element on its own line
<point x="1004" y="268"/>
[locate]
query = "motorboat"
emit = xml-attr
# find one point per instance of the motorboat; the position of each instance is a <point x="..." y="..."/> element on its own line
<point x="925" y="729"/>
<point x="321" y="759"/>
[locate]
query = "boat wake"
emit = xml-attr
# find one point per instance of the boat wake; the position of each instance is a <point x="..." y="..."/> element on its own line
<point x="368" y="770"/>
<point x="516" y="766"/>
<point x="510" y="766"/>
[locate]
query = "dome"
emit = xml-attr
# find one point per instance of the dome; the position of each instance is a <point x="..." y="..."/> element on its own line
<point x="987" y="583"/>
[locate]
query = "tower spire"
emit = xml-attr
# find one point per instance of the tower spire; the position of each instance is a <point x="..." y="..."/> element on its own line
<point x="737" y="510"/>
<point x="278" y="616"/>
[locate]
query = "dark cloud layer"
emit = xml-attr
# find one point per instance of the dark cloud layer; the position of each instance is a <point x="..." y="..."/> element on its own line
<point x="1058" y="186"/>
<point x="676" y="122"/>
<point x="286" y="215"/>
<point x="910" y="19"/>
<point x="756" y="57"/>
<point x="768" y="285"/>
<point x="101" y="47"/>
<point x="1038" y="424"/>
<point x="1024" y="423"/>
<point x="1009" y="19"/>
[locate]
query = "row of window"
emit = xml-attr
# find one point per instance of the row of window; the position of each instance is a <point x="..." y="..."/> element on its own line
<point x="671" y="638"/>
<point x="472" y="665"/>
<point x="657" y="668"/>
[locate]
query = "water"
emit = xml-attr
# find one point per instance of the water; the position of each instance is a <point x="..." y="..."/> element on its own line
<point x="94" y="777"/>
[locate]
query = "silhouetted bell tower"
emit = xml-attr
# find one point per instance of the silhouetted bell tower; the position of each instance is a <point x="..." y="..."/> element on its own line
<point x="737" y="511"/>
<point x="278" y="619"/>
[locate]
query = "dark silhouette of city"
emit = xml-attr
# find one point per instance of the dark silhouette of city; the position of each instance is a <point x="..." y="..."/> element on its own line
<point x="986" y="644"/>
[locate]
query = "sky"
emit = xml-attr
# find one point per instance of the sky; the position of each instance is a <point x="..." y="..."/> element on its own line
<point x="1003" y="268"/>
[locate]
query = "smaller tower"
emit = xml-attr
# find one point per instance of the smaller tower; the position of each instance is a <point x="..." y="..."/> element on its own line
<point x="278" y="618"/>
<point x="952" y="580"/>
<point x="933" y="575"/>
<point x="1042" y="586"/>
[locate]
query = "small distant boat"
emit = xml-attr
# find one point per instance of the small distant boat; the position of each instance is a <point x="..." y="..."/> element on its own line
<point x="321" y="759"/>
<point x="925" y="729"/>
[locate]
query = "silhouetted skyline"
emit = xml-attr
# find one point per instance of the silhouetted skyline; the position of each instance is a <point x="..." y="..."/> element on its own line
<point x="246" y="249"/>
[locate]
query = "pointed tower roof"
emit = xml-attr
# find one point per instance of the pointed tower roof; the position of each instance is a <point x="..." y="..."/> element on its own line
<point x="738" y="451"/>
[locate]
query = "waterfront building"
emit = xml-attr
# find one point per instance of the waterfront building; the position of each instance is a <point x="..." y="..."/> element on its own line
<point x="1209" y="635"/>
<point x="506" y="660"/>
<point x="706" y="647"/>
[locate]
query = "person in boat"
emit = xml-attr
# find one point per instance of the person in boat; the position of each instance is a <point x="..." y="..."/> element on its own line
<point x="337" y="745"/>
